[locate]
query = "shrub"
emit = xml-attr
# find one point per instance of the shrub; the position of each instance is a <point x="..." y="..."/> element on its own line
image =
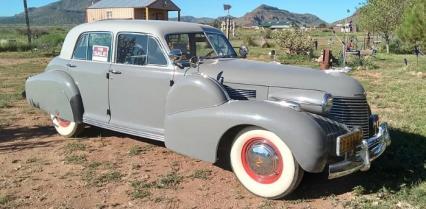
<point x="267" y="33"/>
<point x="15" y="47"/>
<point x="397" y="46"/>
<point x="51" y="42"/>
<point x="294" y="41"/>
<point x="249" y="41"/>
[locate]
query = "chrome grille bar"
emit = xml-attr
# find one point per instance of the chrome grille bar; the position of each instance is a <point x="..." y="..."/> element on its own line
<point x="351" y="112"/>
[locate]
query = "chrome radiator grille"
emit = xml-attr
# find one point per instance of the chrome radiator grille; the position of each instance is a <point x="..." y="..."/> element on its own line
<point x="240" y="94"/>
<point x="351" y="112"/>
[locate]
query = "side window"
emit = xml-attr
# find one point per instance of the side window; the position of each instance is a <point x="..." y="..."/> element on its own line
<point x="80" y="50"/>
<point x="99" y="48"/>
<point x="93" y="47"/>
<point x="132" y="49"/>
<point x="180" y="41"/>
<point x="155" y="54"/>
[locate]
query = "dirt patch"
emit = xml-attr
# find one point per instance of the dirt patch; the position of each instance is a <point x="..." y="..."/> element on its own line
<point x="105" y="169"/>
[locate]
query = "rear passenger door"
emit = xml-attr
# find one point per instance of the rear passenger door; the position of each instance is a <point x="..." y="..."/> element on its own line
<point x="89" y="66"/>
<point x="139" y="83"/>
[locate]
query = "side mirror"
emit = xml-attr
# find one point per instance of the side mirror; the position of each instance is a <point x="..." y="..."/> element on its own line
<point x="175" y="55"/>
<point x="243" y="51"/>
<point x="194" y="62"/>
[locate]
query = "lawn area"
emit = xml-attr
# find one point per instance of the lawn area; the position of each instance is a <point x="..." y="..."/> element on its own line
<point x="395" y="91"/>
<point x="398" y="93"/>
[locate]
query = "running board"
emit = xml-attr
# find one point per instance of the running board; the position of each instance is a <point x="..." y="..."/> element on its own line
<point x="133" y="132"/>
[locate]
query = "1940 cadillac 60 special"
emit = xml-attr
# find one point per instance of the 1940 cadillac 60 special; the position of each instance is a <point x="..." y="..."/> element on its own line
<point x="184" y="84"/>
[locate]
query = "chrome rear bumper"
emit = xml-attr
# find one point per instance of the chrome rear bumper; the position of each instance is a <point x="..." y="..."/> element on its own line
<point x="371" y="149"/>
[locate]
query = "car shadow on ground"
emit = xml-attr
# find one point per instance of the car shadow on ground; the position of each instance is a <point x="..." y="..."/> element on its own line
<point x="14" y="139"/>
<point x="95" y="132"/>
<point x="402" y="165"/>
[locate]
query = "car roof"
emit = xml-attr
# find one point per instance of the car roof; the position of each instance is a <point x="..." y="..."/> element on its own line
<point x="156" y="27"/>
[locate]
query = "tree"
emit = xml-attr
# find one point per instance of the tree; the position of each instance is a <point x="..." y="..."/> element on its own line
<point x="383" y="17"/>
<point x="295" y="41"/>
<point x="413" y="27"/>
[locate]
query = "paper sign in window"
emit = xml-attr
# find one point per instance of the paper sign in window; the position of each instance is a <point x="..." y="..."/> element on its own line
<point x="100" y="53"/>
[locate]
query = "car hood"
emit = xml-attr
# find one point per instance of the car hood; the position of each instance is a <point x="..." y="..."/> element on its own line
<point x="249" y="72"/>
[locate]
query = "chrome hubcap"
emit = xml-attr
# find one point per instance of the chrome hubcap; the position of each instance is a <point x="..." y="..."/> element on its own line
<point x="262" y="159"/>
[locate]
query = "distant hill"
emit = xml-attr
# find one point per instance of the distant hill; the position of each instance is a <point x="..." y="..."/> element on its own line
<point x="195" y="19"/>
<point x="265" y="14"/>
<point x="56" y="13"/>
<point x="73" y="12"/>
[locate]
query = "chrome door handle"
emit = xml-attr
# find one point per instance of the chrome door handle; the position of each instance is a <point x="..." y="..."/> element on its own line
<point x="115" y="72"/>
<point x="71" y="65"/>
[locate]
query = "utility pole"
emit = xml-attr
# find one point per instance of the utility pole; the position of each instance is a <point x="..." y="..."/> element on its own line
<point x="227" y="7"/>
<point x="27" y="19"/>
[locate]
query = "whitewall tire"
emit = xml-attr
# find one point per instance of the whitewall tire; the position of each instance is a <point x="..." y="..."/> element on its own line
<point x="264" y="164"/>
<point x="67" y="129"/>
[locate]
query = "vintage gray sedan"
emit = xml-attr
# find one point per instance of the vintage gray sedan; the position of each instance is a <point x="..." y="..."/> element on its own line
<point x="184" y="84"/>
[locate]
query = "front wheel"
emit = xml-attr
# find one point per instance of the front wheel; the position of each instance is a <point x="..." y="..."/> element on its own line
<point x="264" y="164"/>
<point x="67" y="129"/>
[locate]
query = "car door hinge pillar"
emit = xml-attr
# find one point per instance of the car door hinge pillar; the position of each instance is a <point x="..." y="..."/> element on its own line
<point x="109" y="112"/>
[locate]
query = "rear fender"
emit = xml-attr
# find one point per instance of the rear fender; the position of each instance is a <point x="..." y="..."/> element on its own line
<point x="56" y="93"/>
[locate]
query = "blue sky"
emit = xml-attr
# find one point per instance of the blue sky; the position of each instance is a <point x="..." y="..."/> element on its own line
<point x="328" y="10"/>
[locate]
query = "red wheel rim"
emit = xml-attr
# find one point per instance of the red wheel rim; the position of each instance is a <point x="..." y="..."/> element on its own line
<point x="248" y="165"/>
<point x="63" y="123"/>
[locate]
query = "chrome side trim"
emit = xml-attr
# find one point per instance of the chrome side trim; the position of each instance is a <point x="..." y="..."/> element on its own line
<point x="371" y="149"/>
<point x="112" y="127"/>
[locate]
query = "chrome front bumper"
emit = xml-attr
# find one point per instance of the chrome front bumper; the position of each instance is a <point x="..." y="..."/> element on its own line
<point x="371" y="149"/>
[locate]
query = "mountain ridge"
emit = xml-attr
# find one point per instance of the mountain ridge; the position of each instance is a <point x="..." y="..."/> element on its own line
<point x="73" y="12"/>
<point x="267" y="14"/>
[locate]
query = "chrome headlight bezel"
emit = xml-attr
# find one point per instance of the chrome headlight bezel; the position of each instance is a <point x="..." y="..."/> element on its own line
<point x="327" y="103"/>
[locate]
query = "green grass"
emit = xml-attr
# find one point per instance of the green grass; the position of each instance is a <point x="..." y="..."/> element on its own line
<point x="73" y="147"/>
<point x="169" y="181"/>
<point x="5" y="199"/>
<point x="14" y="69"/>
<point x="140" y="189"/>
<point x="203" y="174"/>
<point x="109" y="177"/>
<point x="135" y="150"/>
<point x="47" y="39"/>
<point x="398" y="94"/>
<point x="100" y="174"/>
<point x="75" y="159"/>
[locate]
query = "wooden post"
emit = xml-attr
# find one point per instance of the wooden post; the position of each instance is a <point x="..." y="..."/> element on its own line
<point x="179" y="15"/>
<point x="27" y="20"/>
<point x="146" y="13"/>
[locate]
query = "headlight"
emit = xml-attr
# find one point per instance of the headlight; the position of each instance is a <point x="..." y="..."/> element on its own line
<point x="327" y="103"/>
<point x="313" y="101"/>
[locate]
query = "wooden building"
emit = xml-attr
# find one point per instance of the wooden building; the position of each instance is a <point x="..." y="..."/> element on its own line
<point x="131" y="9"/>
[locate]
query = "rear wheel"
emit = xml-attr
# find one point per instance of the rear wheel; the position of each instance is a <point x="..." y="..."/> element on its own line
<point x="65" y="128"/>
<point x="264" y="164"/>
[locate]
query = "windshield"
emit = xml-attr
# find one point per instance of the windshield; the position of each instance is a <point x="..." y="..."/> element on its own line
<point x="203" y="45"/>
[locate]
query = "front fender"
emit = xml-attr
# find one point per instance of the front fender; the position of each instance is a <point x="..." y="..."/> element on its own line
<point x="197" y="133"/>
<point x="56" y="93"/>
